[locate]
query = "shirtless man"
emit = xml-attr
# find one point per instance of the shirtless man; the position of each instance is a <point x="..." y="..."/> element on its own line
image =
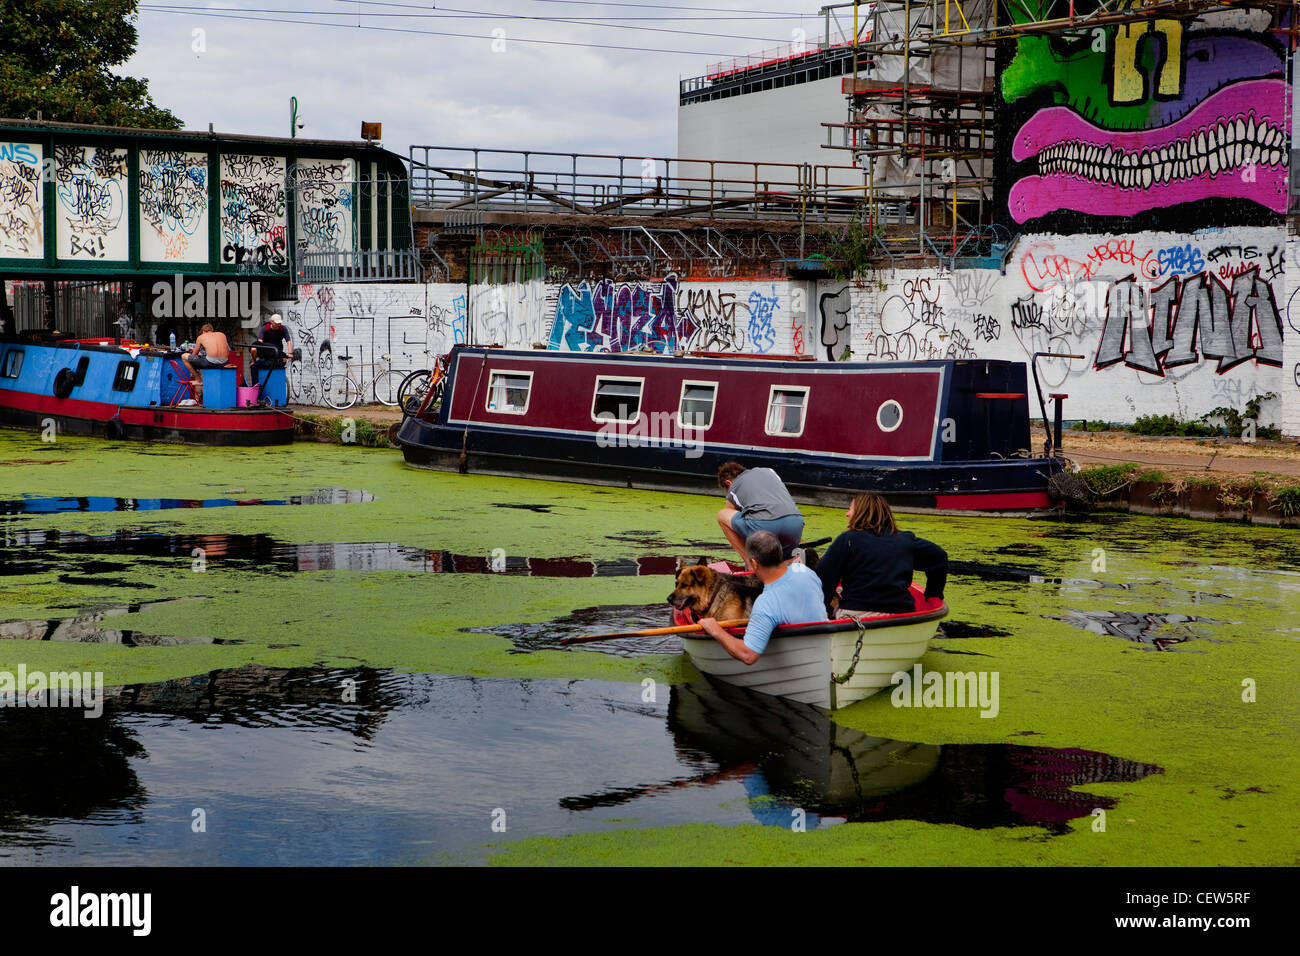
<point x="211" y="350"/>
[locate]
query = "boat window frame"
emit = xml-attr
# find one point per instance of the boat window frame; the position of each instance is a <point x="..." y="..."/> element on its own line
<point x="803" y="409"/>
<point x="127" y="383"/>
<point x="898" y="424"/>
<point x="517" y="372"/>
<point x="713" y="405"/>
<point x="640" y="399"/>
<point x="13" y="369"/>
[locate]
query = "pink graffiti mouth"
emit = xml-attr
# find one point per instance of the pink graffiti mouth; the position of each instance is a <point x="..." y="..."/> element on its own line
<point x="1233" y="145"/>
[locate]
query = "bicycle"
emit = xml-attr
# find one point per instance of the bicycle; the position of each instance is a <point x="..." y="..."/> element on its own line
<point x="412" y="393"/>
<point x="341" y="390"/>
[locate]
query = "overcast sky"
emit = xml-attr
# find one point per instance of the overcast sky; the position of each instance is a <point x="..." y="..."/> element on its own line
<point x="448" y="90"/>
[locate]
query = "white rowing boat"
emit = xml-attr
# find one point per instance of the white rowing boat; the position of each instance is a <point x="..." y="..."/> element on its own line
<point x="828" y="663"/>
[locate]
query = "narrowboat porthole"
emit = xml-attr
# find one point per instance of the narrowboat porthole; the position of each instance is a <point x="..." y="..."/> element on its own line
<point x="124" y="380"/>
<point x="13" y="363"/>
<point x="509" y="392"/>
<point x="786" y="408"/>
<point x="695" y="410"/>
<point x="616" y="399"/>
<point x="889" y="415"/>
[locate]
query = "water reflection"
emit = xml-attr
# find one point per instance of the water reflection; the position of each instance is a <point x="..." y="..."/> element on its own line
<point x="31" y="505"/>
<point x="327" y="766"/>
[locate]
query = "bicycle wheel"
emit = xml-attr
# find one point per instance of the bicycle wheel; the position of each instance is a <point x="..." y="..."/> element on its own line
<point x="412" y="391"/>
<point x="340" y="391"/>
<point x="388" y="386"/>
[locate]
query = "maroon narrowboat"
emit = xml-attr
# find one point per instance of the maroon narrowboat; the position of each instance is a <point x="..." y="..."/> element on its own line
<point x="934" y="435"/>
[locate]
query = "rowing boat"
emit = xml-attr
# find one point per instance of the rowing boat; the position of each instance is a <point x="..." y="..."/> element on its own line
<point x="828" y="663"/>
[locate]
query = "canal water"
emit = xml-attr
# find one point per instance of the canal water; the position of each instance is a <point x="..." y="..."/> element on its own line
<point x="316" y="655"/>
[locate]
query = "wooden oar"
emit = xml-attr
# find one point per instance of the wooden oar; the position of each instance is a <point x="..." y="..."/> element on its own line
<point x="651" y="632"/>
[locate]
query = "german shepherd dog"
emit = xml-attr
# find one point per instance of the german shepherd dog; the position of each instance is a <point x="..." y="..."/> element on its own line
<point x="702" y="592"/>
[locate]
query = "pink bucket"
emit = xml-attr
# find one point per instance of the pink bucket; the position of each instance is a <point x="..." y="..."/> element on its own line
<point x="246" y="397"/>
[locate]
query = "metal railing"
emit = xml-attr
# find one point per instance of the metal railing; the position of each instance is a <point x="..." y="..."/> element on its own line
<point x="359" y="265"/>
<point x="459" y="179"/>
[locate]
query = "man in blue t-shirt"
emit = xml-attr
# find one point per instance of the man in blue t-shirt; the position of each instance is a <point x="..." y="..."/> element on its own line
<point x="792" y="594"/>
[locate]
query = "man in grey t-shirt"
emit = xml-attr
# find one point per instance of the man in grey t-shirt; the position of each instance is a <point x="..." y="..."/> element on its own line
<point x="757" y="501"/>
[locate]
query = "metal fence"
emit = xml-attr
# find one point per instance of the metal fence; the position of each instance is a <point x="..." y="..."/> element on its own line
<point x="593" y="184"/>
<point x="83" y="309"/>
<point x="359" y="265"/>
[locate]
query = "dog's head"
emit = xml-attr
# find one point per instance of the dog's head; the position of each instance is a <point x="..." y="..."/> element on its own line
<point x="694" y="588"/>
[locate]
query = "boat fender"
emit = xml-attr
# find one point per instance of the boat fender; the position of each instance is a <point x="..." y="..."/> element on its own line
<point x="63" y="382"/>
<point x="115" y="429"/>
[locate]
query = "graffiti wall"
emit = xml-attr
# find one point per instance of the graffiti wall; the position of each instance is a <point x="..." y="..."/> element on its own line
<point x="253" y="224"/>
<point x="22" y="233"/>
<point x="670" y="315"/>
<point x="324" y="199"/>
<point x="1164" y="323"/>
<point x="410" y="324"/>
<point x="1155" y="125"/>
<point x="173" y="206"/>
<point x="91" y="185"/>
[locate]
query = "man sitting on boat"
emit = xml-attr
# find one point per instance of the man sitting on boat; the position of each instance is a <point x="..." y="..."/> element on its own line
<point x="757" y="501"/>
<point x="792" y="594"/>
<point x="211" y="350"/>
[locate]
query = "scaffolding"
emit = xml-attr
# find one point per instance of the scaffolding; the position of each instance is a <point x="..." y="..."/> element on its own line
<point x="922" y="102"/>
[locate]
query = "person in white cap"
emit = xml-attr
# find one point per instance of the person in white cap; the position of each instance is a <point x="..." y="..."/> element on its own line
<point x="273" y="347"/>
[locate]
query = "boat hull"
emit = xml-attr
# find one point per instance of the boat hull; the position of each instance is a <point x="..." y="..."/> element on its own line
<point x="802" y="663"/>
<point x="182" y="424"/>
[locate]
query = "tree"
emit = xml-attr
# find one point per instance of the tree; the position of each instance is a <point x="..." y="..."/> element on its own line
<point x="56" y="57"/>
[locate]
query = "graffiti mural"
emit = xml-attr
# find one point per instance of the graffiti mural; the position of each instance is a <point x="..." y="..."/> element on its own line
<point x="835" y="308"/>
<point x="173" y="203"/>
<point x="253" y="224"/>
<point x="324" y="202"/>
<point x="91" y="186"/>
<point x="622" y="317"/>
<point x="1179" y="123"/>
<point x="22" y="233"/>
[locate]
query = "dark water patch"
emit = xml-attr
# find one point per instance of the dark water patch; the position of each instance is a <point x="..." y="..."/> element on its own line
<point x="647" y="539"/>
<point x="546" y="635"/>
<point x="1161" y="631"/>
<point x="103" y="582"/>
<point x="30" y="505"/>
<point x="794" y="755"/>
<point x="949" y="650"/>
<point x="958" y="630"/>
<point x="993" y="572"/>
<point x="536" y="509"/>
<point x="43" y="551"/>
<point x="399" y="767"/>
<point x="1024" y="549"/>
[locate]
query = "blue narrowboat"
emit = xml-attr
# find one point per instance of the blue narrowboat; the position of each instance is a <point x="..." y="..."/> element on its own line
<point x="948" y="435"/>
<point x="124" y="390"/>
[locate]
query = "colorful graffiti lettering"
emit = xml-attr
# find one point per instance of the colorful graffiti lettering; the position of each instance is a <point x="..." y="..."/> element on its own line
<point x="621" y="317"/>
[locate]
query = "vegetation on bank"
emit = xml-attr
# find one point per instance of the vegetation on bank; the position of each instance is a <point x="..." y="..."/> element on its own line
<point x="1221" y="422"/>
<point x="1238" y="495"/>
<point x="342" y="431"/>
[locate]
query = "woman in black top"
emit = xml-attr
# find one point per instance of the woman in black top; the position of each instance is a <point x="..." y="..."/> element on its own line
<point x="874" y="562"/>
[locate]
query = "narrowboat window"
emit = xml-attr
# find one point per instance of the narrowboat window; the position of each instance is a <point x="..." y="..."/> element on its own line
<point x="889" y="415"/>
<point x="124" y="380"/>
<point x="785" y="410"/>
<point x="696" y="408"/>
<point x="508" y="392"/>
<point x="616" y="399"/>
<point x="13" y="363"/>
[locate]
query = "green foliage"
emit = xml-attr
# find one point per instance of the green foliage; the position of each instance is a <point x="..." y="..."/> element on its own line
<point x="852" y="249"/>
<point x="1286" y="500"/>
<point x="1168" y="425"/>
<point x="58" y="57"/>
<point x="1093" y="426"/>
<point x="1103" y="480"/>
<point x="1234" y="422"/>
<point x="1154" y="475"/>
